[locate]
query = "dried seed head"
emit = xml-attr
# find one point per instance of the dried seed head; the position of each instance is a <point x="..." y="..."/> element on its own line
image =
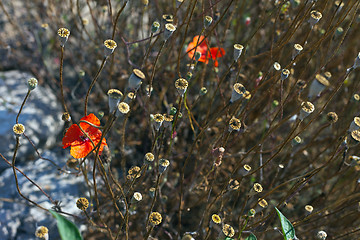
<point x="178" y="3"/>
<point x="72" y="163"/>
<point x="42" y="232"/>
<point x="137" y="197"/>
<point x="355" y="124"/>
<point x="203" y="91"/>
<point x="135" y="79"/>
<point x="277" y="66"/>
<point x="317" y="86"/>
<point x="155" y="218"/>
<point x="357" y="61"/>
<point x="110" y="46"/>
<point x="300" y="85"/>
<point x="238" y="48"/>
<point x="169" y="29"/>
<point x="44" y="25"/>
<point x="233" y="184"/>
<point x="247" y="95"/>
<point x="163" y="165"/>
<point x="168" y="18"/>
<point x="251" y="212"/>
<point x="285" y="74"/>
<point x="168" y="118"/>
<point x="228" y="230"/>
<point x="158" y="120"/>
<point x="152" y="192"/>
<point x="155" y="27"/>
<point x="215" y="220"/>
<point x="197" y="56"/>
<point x="130" y="97"/>
<point x="327" y="75"/>
<point x="114" y="98"/>
<point x="187" y="237"/>
<point x="18" y="129"/>
<point x="354" y="138"/>
<point x="297" y="49"/>
<point x="238" y="92"/>
<point x="64" y="34"/>
<point x="32" y="83"/>
<point x="315" y="17"/>
<point x="207" y="21"/>
<point x="262" y="203"/>
<point x="332" y="117"/>
<point x="306" y="109"/>
<point x="66" y="117"/>
<point x="257" y="187"/>
<point x="181" y="86"/>
<point x="296" y="141"/>
<point x="354" y="160"/>
<point x="134" y="172"/>
<point x="188" y="76"/>
<point x="82" y="204"/>
<point x="309" y="209"/>
<point x="245" y="170"/>
<point x="339" y="4"/>
<point x="123" y="108"/>
<point x="234" y="124"/>
<point x="356" y="97"/>
<point x="321" y="235"/>
<point x="149" y="157"/>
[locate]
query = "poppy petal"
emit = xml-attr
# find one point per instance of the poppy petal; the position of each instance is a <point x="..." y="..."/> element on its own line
<point x="216" y="52"/>
<point x="81" y="150"/>
<point x="200" y="40"/>
<point x="72" y="135"/>
<point x="91" y="118"/>
<point x="201" y="47"/>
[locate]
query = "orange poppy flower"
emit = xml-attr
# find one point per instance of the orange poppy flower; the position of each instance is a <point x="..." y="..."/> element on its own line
<point x="206" y="52"/>
<point x="78" y="141"/>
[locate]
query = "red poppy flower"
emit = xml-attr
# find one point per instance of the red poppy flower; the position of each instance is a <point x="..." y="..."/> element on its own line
<point x="78" y="141"/>
<point x="206" y="52"/>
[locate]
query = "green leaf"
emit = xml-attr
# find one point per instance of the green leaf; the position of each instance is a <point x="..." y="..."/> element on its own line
<point x="67" y="229"/>
<point x="229" y="238"/>
<point x="251" y="237"/>
<point x="286" y="226"/>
